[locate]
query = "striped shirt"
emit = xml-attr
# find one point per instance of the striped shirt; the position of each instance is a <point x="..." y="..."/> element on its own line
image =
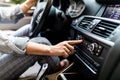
<point x="11" y="44"/>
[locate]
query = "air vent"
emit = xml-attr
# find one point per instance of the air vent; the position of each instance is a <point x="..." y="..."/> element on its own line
<point x="85" y="22"/>
<point x="104" y="28"/>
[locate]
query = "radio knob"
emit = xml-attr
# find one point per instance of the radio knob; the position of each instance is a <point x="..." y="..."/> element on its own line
<point x="93" y="48"/>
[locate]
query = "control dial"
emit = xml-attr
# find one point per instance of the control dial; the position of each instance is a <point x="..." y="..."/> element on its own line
<point x="93" y="48"/>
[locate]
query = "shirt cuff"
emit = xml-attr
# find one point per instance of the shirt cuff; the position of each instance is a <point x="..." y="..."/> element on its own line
<point x="20" y="45"/>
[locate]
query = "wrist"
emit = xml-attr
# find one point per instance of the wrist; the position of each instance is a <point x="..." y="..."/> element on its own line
<point x="50" y="50"/>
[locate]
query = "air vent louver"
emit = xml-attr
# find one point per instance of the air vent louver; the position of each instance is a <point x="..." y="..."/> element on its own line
<point x="85" y="22"/>
<point x="104" y="28"/>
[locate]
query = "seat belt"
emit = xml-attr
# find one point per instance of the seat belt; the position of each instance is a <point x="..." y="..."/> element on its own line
<point x="42" y="71"/>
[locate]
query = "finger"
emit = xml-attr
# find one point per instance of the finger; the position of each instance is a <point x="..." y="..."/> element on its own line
<point x="70" y="48"/>
<point x="67" y="50"/>
<point x="74" y="41"/>
<point x="65" y="55"/>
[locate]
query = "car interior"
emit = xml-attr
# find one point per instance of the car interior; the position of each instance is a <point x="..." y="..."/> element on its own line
<point x="96" y="22"/>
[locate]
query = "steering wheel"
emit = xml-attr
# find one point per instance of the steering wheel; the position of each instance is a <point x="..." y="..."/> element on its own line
<point x="39" y="17"/>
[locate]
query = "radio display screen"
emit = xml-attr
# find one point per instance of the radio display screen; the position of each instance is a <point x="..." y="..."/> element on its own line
<point x="112" y="11"/>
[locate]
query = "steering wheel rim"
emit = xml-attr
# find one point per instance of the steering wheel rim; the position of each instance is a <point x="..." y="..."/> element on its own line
<point x="39" y="17"/>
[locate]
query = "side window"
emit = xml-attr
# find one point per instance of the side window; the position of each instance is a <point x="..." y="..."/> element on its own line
<point x="8" y="3"/>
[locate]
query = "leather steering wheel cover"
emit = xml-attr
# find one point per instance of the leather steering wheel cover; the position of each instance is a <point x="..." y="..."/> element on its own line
<point x="37" y="28"/>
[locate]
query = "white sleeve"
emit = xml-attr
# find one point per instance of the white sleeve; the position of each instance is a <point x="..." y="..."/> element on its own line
<point x="9" y="12"/>
<point x="11" y="44"/>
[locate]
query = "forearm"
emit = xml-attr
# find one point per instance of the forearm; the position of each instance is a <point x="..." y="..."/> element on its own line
<point x="37" y="49"/>
<point x="64" y="48"/>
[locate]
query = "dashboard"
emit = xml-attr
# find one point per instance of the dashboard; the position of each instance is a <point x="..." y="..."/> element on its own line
<point x="100" y="36"/>
<point x="97" y="58"/>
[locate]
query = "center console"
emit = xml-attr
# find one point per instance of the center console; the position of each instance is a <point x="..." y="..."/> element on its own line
<point x="99" y="36"/>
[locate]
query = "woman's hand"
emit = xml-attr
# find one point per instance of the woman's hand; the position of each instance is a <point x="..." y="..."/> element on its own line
<point x="27" y="5"/>
<point x="64" y="48"/>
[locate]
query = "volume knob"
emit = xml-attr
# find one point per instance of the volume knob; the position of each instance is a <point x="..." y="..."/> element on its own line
<point x="93" y="47"/>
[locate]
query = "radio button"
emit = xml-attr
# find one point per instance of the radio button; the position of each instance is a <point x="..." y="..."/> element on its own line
<point x="79" y="37"/>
